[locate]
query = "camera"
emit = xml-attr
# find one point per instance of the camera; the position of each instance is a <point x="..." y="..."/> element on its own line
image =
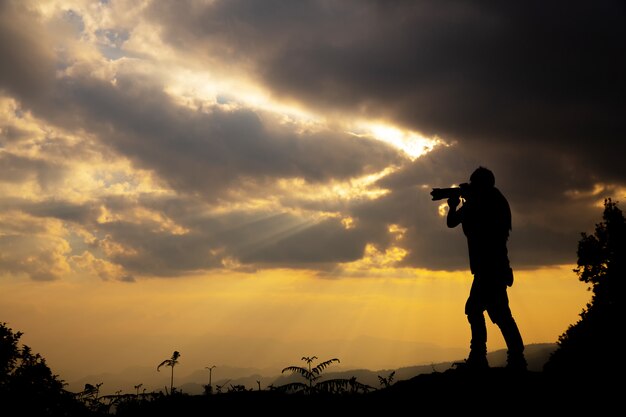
<point x="445" y="193"/>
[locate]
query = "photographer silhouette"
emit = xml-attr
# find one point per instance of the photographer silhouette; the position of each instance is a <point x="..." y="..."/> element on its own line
<point x="485" y="217"/>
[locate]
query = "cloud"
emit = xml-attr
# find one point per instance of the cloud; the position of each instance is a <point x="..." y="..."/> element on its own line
<point x="32" y="246"/>
<point x="423" y="41"/>
<point x="533" y="73"/>
<point x="28" y="60"/>
<point x="206" y="152"/>
<point x="189" y="136"/>
<point x="531" y="90"/>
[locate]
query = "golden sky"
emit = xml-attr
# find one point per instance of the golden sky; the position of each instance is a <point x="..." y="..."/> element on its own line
<point x="270" y="319"/>
<point x="248" y="182"/>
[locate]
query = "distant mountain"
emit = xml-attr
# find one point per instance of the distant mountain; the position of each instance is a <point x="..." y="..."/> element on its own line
<point x="271" y="352"/>
<point x="536" y="355"/>
<point x="153" y="381"/>
<point x="226" y="377"/>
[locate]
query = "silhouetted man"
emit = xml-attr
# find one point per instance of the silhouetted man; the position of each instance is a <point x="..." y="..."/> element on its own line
<point x="486" y="220"/>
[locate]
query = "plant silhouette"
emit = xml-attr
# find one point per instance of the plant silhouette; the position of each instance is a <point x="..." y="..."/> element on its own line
<point x="171" y="362"/>
<point x="311" y="374"/>
<point x="91" y="393"/>
<point x="386" y="382"/>
<point x="27" y="384"/>
<point x="208" y="389"/>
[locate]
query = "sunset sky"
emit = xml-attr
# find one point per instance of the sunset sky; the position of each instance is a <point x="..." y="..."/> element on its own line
<point x="247" y="182"/>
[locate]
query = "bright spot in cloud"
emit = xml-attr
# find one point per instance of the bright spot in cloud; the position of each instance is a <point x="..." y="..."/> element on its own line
<point x="376" y="260"/>
<point x="600" y="191"/>
<point x="411" y="143"/>
<point x="397" y="231"/>
<point x="348" y="222"/>
<point x="443" y="209"/>
<point x="193" y="88"/>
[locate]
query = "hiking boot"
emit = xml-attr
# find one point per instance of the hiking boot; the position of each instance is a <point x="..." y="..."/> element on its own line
<point x="476" y="362"/>
<point x="516" y="362"/>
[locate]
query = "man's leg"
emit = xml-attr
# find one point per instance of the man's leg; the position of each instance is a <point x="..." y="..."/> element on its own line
<point x="500" y="314"/>
<point x="514" y="343"/>
<point x="478" y="344"/>
<point x="474" y="308"/>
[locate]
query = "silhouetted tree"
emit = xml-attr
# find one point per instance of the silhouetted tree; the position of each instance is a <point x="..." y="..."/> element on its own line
<point x="27" y="385"/>
<point x="593" y="344"/>
<point x="171" y="362"/>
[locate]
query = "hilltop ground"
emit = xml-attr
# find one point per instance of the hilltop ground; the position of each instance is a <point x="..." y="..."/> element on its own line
<point x="496" y="391"/>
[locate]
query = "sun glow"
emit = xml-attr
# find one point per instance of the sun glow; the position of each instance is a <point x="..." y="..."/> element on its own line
<point x="202" y="90"/>
<point x="376" y="260"/>
<point x="197" y="90"/>
<point x="284" y="193"/>
<point x="413" y="144"/>
<point x="599" y="191"/>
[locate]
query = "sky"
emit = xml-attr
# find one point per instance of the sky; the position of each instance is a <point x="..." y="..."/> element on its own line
<point x="248" y="182"/>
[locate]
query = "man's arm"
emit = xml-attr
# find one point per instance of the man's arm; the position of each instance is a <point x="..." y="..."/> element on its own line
<point x="454" y="215"/>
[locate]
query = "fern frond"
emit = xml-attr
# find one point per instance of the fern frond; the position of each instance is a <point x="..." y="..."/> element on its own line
<point x="356" y="386"/>
<point x="332" y="385"/>
<point x="320" y="367"/>
<point x="293" y="387"/>
<point x="166" y="362"/>
<point x="296" y="370"/>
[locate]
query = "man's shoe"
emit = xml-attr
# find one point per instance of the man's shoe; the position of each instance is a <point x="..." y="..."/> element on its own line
<point x="516" y="362"/>
<point x="476" y="363"/>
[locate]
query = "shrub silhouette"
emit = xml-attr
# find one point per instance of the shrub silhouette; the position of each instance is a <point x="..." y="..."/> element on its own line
<point x="27" y="385"/>
<point x="592" y="345"/>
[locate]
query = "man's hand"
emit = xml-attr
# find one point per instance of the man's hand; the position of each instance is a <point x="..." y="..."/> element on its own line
<point x="454" y="217"/>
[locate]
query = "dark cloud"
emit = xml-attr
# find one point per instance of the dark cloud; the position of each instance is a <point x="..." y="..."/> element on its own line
<point x="257" y="238"/>
<point x="157" y="253"/>
<point x="533" y="90"/>
<point x="18" y="169"/>
<point x="547" y="219"/>
<point x="41" y="259"/>
<point x="27" y="64"/>
<point x="84" y="214"/>
<point x="315" y="245"/>
<point x="548" y="73"/>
